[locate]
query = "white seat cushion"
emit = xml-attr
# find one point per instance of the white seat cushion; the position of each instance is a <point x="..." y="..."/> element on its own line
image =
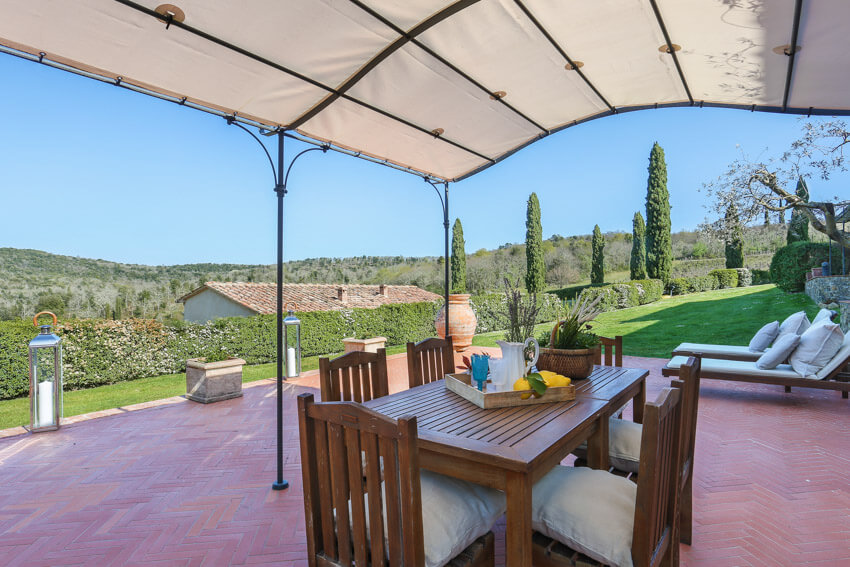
<point x="708" y="350"/>
<point x="779" y="353"/>
<point x="817" y="346"/>
<point x="736" y="368"/>
<point x="624" y="444"/>
<point x="764" y="337"/>
<point x="454" y="514"/>
<point x="588" y="510"/>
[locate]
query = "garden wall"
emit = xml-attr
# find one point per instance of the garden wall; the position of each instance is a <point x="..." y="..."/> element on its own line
<point x="828" y="289"/>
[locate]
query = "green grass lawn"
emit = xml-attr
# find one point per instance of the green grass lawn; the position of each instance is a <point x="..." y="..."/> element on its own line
<point x="724" y="316"/>
<point x="17" y="412"/>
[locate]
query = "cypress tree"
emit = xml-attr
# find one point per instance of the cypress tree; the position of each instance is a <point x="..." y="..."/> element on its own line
<point x="798" y="228"/>
<point x="734" y="239"/>
<point x="458" y="259"/>
<point x="535" y="275"/>
<point x="597" y="264"/>
<point x="659" y="250"/>
<point x="637" y="264"/>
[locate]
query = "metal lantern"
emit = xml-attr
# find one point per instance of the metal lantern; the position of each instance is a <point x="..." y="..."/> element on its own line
<point x="292" y="341"/>
<point x="45" y="361"/>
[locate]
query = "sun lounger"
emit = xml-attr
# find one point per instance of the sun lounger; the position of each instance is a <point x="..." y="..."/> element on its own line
<point x="834" y="376"/>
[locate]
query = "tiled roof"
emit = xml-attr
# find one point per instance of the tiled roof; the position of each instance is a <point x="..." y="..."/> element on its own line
<point x="262" y="298"/>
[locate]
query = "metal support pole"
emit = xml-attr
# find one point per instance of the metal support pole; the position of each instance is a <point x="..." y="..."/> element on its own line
<point x="446" y="229"/>
<point x="280" y="191"/>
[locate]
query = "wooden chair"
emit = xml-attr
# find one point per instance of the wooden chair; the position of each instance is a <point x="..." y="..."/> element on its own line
<point x="654" y="530"/>
<point x="613" y="351"/>
<point x="688" y="383"/>
<point x="429" y="360"/>
<point x="356" y="376"/>
<point x="378" y="497"/>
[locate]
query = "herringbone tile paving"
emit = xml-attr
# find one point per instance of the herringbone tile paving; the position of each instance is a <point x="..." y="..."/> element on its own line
<point x="187" y="484"/>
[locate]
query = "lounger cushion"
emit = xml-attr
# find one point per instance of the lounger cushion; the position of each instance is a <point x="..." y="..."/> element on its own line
<point x="818" y="345"/>
<point x="588" y="510"/>
<point x="710" y="367"/>
<point x="779" y="352"/>
<point x="764" y="337"/>
<point x="624" y="444"/>
<point x="823" y="314"/>
<point x="795" y="323"/>
<point x="709" y="351"/>
<point x="840" y="359"/>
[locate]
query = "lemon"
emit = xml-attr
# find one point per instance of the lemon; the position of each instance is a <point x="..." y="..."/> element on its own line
<point x="522" y="384"/>
<point x="557" y="381"/>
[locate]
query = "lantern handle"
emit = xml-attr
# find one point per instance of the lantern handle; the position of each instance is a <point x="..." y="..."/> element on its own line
<point x="40" y="313"/>
<point x="293" y="304"/>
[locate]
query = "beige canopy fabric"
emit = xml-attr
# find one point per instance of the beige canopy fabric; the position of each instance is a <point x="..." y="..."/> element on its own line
<point x="448" y="88"/>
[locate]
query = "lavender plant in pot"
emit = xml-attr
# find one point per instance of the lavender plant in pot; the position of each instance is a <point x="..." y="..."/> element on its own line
<point x="572" y="345"/>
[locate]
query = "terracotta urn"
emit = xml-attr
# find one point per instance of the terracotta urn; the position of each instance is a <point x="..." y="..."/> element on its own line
<point x="462" y="321"/>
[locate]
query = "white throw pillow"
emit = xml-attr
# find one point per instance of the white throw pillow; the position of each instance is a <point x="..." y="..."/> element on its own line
<point x="779" y="352"/>
<point x="839" y="359"/>
<point x="795" y="323"/>
<point x="823" y="314"/>
<point x="624" y="444"/>
<point x="817" y="347"/>
<point x="764" y="337"/>
<point x="588" y="510"/>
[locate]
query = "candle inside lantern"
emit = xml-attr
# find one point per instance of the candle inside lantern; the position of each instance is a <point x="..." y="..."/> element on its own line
<point x="45" y="404"/>
<point x="290" y="363"/>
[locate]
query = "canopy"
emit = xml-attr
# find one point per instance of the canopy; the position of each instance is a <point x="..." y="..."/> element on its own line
<point x="449" y="88"/>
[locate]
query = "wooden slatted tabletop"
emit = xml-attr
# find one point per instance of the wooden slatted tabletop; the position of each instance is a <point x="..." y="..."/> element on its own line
<point x="511" y="448"/>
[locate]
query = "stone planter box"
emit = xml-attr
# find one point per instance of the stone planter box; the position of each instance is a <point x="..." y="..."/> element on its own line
<point x="364" y="345"/>
<point x="208" y="382"/>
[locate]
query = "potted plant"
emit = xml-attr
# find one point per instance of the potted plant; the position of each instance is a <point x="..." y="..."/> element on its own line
<point x="215" y="377"/>
<point x="572" y="346"/>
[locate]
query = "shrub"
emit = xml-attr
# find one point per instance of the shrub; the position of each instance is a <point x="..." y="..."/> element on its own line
<point x="569" y="292"/>
<point x="649" y="291"/>
<point x="491" y="308"/>
<point x="790" y="263"/>
<point x="680" y="286"/>
<point x="98" y="352"/>
<point x="727" y="278"/>
<point x="760" y="277"/>
<point x="745" y="277"/>
<point x="623" y="295"/>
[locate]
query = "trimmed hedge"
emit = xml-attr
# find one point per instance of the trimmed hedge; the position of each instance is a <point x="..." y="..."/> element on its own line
<point x="760" y="277"/>
<point x="623" y="295"/>
<point x="745" y="277"/>
<point x="790" y="263"/>
<point x="98" y="352"/>
<point x="681" y="286"/>
<point x="726" y="278"/>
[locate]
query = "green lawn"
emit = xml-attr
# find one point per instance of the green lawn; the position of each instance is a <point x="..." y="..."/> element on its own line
<point x="724" y="316"/>
<point x="16" y="412"/>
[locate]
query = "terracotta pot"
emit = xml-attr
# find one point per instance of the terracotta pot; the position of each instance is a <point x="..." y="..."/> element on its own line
<point x="462" y="321"/>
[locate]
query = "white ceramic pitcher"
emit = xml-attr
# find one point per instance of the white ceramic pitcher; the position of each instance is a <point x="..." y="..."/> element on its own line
<point x="513" y="355"/>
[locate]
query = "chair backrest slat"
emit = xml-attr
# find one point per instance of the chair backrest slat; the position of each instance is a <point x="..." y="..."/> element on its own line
<point x="612" y="349"/>
<point x="688" y="382"/>
<point x="355" y="376"/>
<point x="429" y="360"/>
<point x="344" y="447"/>
<point x="656" y="520"/>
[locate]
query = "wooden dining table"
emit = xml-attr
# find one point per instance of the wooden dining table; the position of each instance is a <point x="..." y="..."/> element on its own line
<point x="511" y="448"/>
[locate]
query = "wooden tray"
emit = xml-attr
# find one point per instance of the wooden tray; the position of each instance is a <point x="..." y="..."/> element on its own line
<point x="460" y="385"/>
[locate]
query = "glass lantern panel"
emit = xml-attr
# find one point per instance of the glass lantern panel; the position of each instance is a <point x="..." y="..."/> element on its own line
<point x="44" y="378"/>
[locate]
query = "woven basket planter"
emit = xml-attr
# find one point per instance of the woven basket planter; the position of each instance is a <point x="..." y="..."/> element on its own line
<point x="573" y="363"/>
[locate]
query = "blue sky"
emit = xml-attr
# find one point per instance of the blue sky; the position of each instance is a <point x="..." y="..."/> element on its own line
<point x="91" y="170"/>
